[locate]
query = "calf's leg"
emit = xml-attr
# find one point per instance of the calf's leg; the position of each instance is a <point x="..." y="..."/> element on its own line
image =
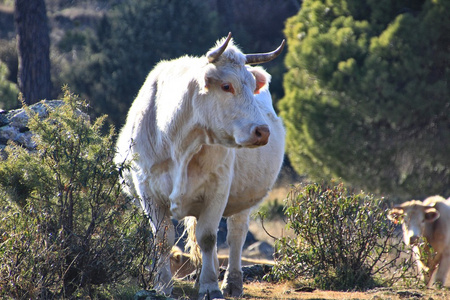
<point x="433" y="260"/>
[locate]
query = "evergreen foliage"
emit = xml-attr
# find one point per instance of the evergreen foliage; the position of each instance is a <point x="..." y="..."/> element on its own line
<point x="342" y="240"/>
<point x="8" y="90"/>
<point x="367" y="94"/>
<point x="129" y="41"/>
<point x="66" y="228"/>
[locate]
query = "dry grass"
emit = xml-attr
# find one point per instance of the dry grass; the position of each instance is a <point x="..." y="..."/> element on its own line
<point x="264" y="290"/>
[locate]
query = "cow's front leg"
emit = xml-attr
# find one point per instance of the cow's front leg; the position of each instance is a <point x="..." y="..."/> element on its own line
<point x="190" y="145"/>
<point x="179" y="191"/>
<point x="427" y="261"/>
<point x="206" y="234"/>
<point x="237" y="231"/>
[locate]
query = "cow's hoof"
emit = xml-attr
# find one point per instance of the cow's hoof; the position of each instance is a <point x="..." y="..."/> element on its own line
<point x="210" y="295"/>
<point x="232" y="284"/>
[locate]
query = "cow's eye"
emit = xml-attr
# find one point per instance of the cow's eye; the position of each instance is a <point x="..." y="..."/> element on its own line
<point x="227" y="87"/>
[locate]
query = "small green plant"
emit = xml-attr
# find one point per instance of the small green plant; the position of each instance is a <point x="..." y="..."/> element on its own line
<point x="271" y="210"/>
<point x="343" y="240"/>
<point x="9" y="91"/>
<point x="65" y="227"/>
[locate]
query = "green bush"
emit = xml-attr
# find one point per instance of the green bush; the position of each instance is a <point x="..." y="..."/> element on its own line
<point x="343" y="240"/>
<point x="65" y="227"/>
<point x="8" y="90"/>
<point x="271" y="210"/>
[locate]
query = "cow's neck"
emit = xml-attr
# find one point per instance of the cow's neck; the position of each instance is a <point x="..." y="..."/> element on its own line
<point x="185" y="144"/>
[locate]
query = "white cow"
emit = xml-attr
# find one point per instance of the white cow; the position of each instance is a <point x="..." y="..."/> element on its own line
<point x="430" y="219"/>
<point x="195" y="131"/>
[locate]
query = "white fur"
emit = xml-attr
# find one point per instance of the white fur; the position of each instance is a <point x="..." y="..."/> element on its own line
<point x="195" y="153"/>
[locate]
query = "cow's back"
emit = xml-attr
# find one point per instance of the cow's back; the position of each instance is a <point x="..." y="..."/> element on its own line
<point x="256" y="170"/>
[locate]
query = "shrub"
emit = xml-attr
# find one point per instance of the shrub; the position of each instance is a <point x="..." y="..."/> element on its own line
<point x="270" y="210"/>
<point x="65" y="228"/>
<point x="8" y="90"/>
<point x="343" y="240"/>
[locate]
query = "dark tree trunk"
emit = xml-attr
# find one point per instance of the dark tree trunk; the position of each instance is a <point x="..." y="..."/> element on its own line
<point x="33" y="44"/>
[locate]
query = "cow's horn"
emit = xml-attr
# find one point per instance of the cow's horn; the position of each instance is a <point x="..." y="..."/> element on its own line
<point x="259" y="58"/>
<point x="214" y="55"/>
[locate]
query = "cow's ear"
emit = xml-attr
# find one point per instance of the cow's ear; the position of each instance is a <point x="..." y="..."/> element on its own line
<point x="431" y="214"/>
<point x="262" y="78"/>
<point x="396" y="214"/>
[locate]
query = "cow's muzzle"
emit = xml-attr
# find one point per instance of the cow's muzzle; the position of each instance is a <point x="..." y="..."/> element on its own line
<point x="261" y="135"/>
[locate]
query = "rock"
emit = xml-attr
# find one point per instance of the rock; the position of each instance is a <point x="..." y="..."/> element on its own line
<point x="255" y="272"/>
<point x="259" y="250"/>
<point x="149" y="295"/>
<point x="250" y="273"/>
<point x="409" y="294"/>
<point x="13" y="124"/>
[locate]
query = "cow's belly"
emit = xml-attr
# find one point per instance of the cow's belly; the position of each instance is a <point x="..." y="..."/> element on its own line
<point x="250" y="186"/>
<point x="244" y="200"/>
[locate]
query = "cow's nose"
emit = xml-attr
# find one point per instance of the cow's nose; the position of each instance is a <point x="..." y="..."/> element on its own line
<point x="261" y="133"/>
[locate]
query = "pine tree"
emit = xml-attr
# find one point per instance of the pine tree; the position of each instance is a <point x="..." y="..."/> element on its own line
<point x="130" y="40"/>
<point x="367" y="94"/>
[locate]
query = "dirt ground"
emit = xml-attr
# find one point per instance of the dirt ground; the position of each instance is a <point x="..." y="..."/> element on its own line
<point x="263" y="290"/>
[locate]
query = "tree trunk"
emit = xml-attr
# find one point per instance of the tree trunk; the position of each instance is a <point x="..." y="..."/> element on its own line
<point x="33" y="43"/>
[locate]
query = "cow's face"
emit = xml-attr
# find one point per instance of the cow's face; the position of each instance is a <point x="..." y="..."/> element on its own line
<point x="413" y="215"/>
<point x="227" y="106"/>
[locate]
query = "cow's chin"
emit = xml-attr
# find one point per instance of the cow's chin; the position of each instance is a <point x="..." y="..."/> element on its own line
<point x="235" y="142"/>
<point x="251" y="143"/>
<point x="249" y="146"/>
